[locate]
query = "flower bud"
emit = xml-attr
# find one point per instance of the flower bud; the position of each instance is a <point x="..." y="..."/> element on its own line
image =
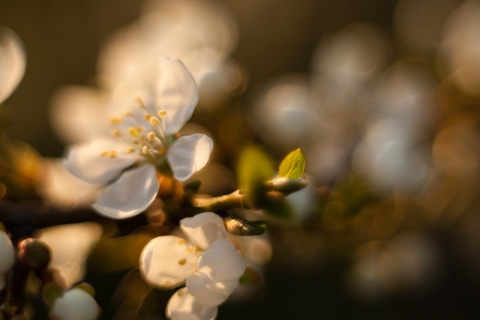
<point x="75" y="304"/>
<point x="34" y="254"/>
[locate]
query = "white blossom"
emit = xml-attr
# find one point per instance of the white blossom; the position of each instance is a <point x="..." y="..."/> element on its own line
<point x="12" y="62"/>
<point x="142" y="140"/>
<point x="207" y="263"/>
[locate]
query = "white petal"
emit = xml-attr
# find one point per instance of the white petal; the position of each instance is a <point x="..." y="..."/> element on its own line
<point x="189" y="154"/>
<point x="131" y="194"/>
<point x="204" y="229"/>
<point x="183" y="306"/>
<point x="7" y="253"/>
<point x="166" y="261"/>
<point x="176" y="94"/>
<point x="12" y="62"/>
<point x="208" y="291"/>
<point x="86" y="162"/>
<point x="75" y="304"/>
<point x="222" y="261"/>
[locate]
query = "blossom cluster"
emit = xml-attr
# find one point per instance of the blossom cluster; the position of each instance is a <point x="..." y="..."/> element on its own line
<point x="205" y="260"/>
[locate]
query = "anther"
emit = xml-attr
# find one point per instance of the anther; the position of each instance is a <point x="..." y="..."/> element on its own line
<point x="116" y="120"/>
<point x="151" y="135"/>
<point x="154" y="121"/>
<point x="162" y="113"/>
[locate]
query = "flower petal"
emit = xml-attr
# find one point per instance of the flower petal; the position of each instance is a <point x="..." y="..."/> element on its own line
<point x="166" y="261"/>
<point x="131" y="194"/>
<point x="12" y="62"/>
<point x="204" y="229"/>
<point x="189" y="154"/>
<point x="86" y="161"/>
<point x="177" y="94"/>
<point x="222" y="261"/>
<point x="208" y="291"/>
<point x="183" y="306"/>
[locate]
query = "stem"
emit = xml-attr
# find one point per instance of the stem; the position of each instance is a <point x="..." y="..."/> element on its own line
<point x="235" y="199"/>
<point x="24" y="219"/>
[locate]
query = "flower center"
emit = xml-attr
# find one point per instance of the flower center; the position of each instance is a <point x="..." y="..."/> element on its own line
<point x="143" y="131"/>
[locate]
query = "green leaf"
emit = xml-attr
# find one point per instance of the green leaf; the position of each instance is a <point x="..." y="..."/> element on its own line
<point x="293" y="165"/>
<point x="254" y="167"/>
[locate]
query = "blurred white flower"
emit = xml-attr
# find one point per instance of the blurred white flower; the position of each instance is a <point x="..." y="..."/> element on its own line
<point x="7" y="254"/>
<point x="12" y="62"/>
<point x="78" y="113"/>
<point x="75" y="304"/>
<point x="208" y="263"/>
<point x="388" y="157"/>
<point x="61" y="189"/>
<point x="406" y="263"/>
<point x="460" y="49"/>
<point x="199" y="33"/>
<point x="70" y="246"/>
<point x="142" y="139"/>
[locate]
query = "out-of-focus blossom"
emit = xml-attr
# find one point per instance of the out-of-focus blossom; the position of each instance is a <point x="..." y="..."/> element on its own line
<point x="387" y="155"/>
<point x="455" y="149"/>
<point x="70" y="246"/>
<point x="207" y="262"/>
<point x="61" y="189"/>
<point x="302" y="202"/>
<point x="12" y="62"/>
<point x="7" y="254"/>
<point x="406" y="263"/>
<point x="460" y="48"/>
<point x="75" y="304"/>
<point x="143" y="138"/>
<point x="419" y="23"/>
<point x="391" y="154"/>
<point x="78" y="113"/>
<point x="345" y="63"/>
<point x="284" y="113"/>
<point x="325" y="115"/>
<point x="199" y="33"/>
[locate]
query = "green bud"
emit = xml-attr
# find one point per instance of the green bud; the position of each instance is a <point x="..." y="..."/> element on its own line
<point x="242" y="227"/>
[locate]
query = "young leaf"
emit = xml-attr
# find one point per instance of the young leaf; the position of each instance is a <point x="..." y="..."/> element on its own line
<point x="254" y="167"/>
<point x="293" y="165"/>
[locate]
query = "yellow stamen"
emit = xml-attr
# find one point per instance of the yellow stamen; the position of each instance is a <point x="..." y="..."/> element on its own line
<point x="113" y="154"/>
<point x="154" y="121"/>
<point x="133" y="131"/>
<point x="116" y="120"/>
<point x="116" y="133"/>
<point x="130" y="150"/>
<point x="162" y="113"/>
<point x="182" y="262"/>
<point x="151" y="135"/>
<point x="148" y="116"/>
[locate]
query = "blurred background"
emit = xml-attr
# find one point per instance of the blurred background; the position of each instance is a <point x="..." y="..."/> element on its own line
<point x="382" y="97"/>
